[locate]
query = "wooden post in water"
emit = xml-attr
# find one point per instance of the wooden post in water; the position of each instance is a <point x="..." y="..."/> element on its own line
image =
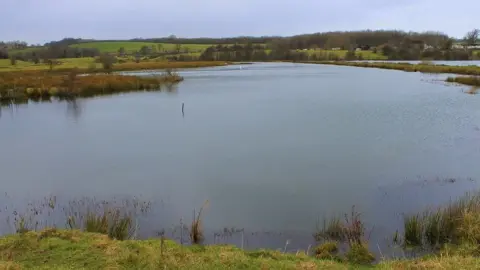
<point x="183" y="107"/>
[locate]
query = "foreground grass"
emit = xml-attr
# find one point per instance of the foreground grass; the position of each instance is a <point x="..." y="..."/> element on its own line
<point x="73" y="249"/>
<point x="100" y="235"/>
<point x="425" y="68"/>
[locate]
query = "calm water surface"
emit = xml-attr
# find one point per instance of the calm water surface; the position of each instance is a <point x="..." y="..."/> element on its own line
<point x="273" y="147"/>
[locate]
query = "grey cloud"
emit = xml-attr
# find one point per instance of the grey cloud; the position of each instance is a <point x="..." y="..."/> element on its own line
<point x="45" y="20"/>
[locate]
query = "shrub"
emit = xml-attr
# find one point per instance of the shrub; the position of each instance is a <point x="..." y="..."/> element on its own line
<point x="413" y="230"/>
<point x="359" y="254"/>
<point x="327" y="251"/>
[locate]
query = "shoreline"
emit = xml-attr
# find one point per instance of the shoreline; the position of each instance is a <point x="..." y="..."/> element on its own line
<point x="423" y="68"/>
<point x="22" y="85"/>
<point x="43" y="87"/>
<point x="93" y="228"/>
<point x="72" y="249"/>
<point x="471" y="72"/>
<point x="118" y="67"/>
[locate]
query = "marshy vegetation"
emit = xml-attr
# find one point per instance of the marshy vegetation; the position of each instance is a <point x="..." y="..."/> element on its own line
<point x="458" y="223"/>
<point x="448" y="230"/>
<point x="94" y="229"/>
<point x="350" y="232"/>
<point x="67" y="79"/>
<point x="472" y="80"/>
<point x="21" y="86"/>
<point x="422" y="67"/>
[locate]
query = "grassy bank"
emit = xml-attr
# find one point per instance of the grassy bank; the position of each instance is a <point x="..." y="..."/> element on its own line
<point x="20" y="86"/>
<point x="131" y="66"/>
<point x="425" y="68"/>
<point x="73" y="249"/>
<point x="473" y="81"/>
<point x="88" y="64"/>
<point x="100" y="235"/>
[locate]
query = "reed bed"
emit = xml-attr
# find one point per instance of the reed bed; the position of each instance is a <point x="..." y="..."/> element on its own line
<point x="471" y="80"/>
<point x="422" y="67"/>
<point x="351" y="232"/>
<point x="457" y="223"/>
<point x="17" y="86"/>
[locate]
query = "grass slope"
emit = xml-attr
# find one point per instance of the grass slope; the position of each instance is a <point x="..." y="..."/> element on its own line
<point x="133" y="46"/>
<point x="53" y="249"/>
<point x="66" y="63"/>
<point x="72" y="249"/>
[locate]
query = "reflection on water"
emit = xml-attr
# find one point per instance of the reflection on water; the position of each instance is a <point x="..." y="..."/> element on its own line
<point x="171" y="87"/>
<point x="74" y="108"/>
<point x="11" y="108"/>
<point x="473" y="90"/>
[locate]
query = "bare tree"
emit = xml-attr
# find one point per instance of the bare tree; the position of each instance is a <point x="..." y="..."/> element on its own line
<point x="471" y="38"/>
<point x="121" y="51"/>
<point x="137" y="57"/>
<point x="13" y="60"/>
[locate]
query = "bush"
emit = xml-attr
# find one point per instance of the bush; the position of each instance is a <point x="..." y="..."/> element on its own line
<point x="327" y="251"/>
<point x="107" y="61"/>
<point x="359" y="254"/>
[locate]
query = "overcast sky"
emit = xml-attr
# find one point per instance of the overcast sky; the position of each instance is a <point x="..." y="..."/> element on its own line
<point x="39" y="21"/>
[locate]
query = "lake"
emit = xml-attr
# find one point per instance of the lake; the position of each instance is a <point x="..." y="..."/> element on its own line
<point x="273" y="147"/>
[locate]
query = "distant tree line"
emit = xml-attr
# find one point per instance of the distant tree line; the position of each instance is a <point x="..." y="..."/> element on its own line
<point x="67" y="42"/>
<point x="325" y="40"/>
<point x="232" y="40"/>
<point x="13" y="45"/>
<point x="347" y="40"/>
<point x="395" y="45"/>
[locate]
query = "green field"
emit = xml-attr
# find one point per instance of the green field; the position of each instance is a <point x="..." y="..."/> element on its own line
<point x="133" y="46"/>
<point x="64" y="63"/>
<point x="129" y="46"/>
